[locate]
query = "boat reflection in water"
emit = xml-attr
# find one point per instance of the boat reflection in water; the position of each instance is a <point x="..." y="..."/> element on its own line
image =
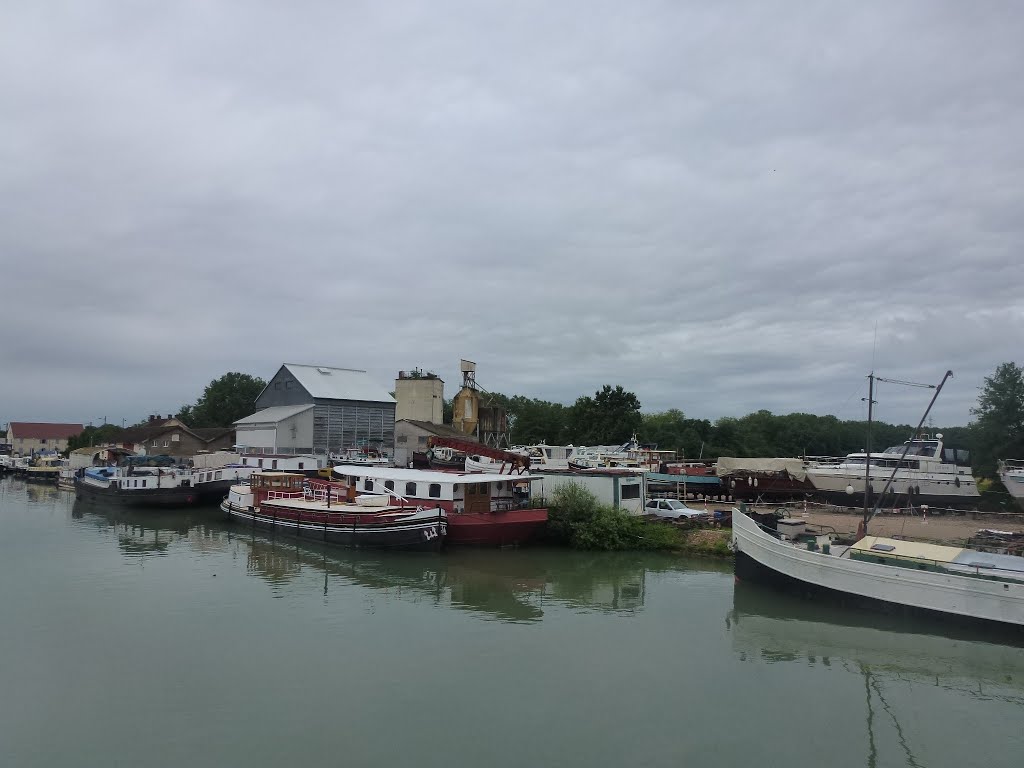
<point x="900" y="660"/>
<point x="510" y="586"/>
<point x="501" y="585"/>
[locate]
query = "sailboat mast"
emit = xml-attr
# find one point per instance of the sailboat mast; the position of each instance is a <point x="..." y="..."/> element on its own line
<point x="867" y="449"/>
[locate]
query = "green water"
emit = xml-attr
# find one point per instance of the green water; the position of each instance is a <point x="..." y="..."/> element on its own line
<point x="158" y="639"/>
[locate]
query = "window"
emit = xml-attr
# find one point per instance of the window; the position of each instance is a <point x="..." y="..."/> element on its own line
<point x="273" y="464"/>
<point x="154" y="443"/>
<point x="277" y="385"/>
<point x="403" y="439"/>
<point x="43" y="441"/>
<point x="216" y="475"/>
<point x="498" y="486"/>
<point x="410" y="489"/>
<point x="175" y="438"/>
<point x="301" y="464"/>
<point x="389" y="485"/>
<point x="261" y="463"/>
<point x="166" y="443"/>
<point x="435" y="491"/>
<point x="143" y="483"/>
<point x="421" y="440"/>
<point x="369" y="485"/>
<point x="631" y="492"/>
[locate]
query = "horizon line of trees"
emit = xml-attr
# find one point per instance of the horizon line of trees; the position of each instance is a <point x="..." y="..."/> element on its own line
<point x="612" y="416"/>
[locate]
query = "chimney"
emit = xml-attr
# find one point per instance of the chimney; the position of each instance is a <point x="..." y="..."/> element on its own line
<point x="152" y="418"/>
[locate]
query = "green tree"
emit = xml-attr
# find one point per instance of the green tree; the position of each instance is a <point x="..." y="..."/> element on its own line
<point x="998" y="431"/>
<point x="224" y="401"/>
<point x="90" y="436"/>
<point x="610" y="416"/>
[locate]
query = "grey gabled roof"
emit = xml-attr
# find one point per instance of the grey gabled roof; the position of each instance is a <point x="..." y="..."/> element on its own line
<point x="274" y="414"/>
<point x="327" y="383"/>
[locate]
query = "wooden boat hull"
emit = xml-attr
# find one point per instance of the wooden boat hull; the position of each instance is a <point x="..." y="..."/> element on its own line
<point x="761" y="557"/>
<point x="420" y="535"/>
<point x="496" y="529"/>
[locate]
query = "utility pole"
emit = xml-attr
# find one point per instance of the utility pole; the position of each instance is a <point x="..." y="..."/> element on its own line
<point x="867" y="449"/>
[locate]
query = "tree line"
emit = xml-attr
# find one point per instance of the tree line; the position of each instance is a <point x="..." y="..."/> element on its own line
<point x="613" y="415"/>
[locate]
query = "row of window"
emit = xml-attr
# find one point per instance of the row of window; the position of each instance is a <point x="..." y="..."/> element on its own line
<point x="433" y="491"/>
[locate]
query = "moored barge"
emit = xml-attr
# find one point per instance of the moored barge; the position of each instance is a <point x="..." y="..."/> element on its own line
<point x="331" y="512"/>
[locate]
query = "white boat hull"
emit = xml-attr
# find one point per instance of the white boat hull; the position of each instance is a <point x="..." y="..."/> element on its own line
<point x="846" y="486"/>
<point x="930" y="591"/>
<point x="1013" y="481"/>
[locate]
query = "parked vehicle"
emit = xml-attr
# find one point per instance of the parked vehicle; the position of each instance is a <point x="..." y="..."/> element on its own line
<point x="674" y="509"/>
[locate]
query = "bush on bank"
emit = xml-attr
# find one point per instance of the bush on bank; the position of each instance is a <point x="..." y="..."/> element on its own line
<point x="579" y="521"/>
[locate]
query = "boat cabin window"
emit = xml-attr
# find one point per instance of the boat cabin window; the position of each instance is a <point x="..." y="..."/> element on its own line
<point x="302" y="465"/>
<point x="434" y="491"/>
<point x="389" y="485"/>
<point x="498" y="486"/>
<point x="369" y="485"/>
<point x="410" y="489"/>
<point x="956" y="456"/>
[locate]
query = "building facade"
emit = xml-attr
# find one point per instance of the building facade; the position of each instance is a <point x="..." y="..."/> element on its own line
<point x="420" y="397"/>
<point x="349" y="410"/>
<point x="171" y="437"/>
<point x="27" y="438"/>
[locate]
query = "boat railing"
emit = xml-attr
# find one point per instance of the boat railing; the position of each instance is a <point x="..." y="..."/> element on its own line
<point x="984" y="570"/>
<point x="285" y="495"/>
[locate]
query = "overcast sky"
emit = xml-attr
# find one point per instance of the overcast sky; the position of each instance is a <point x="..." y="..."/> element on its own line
<point x="721" y="206"/>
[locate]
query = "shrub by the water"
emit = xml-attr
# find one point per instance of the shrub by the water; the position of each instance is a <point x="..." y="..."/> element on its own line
<point x="577" y="519"/>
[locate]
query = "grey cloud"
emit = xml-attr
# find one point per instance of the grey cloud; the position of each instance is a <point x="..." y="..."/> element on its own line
<point x="715" y="207"/>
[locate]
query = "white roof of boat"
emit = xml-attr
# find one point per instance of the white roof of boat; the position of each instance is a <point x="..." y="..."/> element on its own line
<point x="972" y="558"/>
<point x="339" y="383"/>
<point x="274" y="414"/>
<point x="917" y="550"/>
<point x="427" y="475"/>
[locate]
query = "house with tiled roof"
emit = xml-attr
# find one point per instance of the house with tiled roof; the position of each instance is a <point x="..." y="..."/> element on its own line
<point x="316" y="409"/>
<point x="172" y="437"/>
<point x="30" y="437"/>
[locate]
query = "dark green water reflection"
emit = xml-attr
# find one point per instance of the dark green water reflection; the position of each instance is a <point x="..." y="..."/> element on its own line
<point x="134" y="638"/>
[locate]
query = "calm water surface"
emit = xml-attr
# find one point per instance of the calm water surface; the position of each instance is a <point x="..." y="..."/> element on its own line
<point x="163" y="639"/>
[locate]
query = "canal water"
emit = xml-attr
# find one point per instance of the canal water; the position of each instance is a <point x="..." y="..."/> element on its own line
<point x="167" y="639"/>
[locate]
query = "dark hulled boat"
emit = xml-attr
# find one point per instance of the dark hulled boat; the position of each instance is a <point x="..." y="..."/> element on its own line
<point x="137" y="486"/>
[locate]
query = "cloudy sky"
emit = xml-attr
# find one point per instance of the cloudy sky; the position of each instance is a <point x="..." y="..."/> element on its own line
<point x="721" y="206"/>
